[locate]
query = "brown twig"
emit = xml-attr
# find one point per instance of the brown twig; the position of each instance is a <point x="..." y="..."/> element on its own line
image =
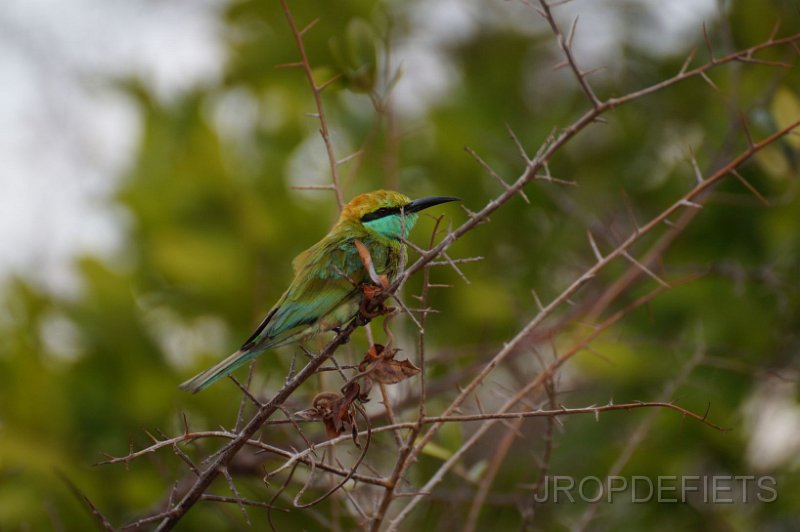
<point x="207" y="477"/>
<point x="566" y="47"/>
<point x="102" y="522"/>
<point x="580" y="281"/>
<point x="317" y="90"/>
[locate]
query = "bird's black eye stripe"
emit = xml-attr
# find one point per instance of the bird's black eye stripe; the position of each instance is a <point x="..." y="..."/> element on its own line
<point x="380" y="213"/>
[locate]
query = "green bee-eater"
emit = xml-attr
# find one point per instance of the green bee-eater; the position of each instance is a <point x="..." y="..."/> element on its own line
<point x="322" y="295"/>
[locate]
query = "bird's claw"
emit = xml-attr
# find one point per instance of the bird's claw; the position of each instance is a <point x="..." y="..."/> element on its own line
<point x="362" y="319"/>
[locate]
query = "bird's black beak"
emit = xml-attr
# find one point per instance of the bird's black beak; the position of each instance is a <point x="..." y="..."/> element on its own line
<point x="424" y="203"/>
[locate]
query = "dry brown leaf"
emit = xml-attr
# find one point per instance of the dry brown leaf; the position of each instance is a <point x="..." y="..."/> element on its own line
<point x="335" y="411"/>
<point x="393" y="371"/>
<point x="380" y="366"/>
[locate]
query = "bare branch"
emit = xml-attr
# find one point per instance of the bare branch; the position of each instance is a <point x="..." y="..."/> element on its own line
<point x="102" y="522"/>
<point x="317" y="91"/>
<point x="566" y="46"/>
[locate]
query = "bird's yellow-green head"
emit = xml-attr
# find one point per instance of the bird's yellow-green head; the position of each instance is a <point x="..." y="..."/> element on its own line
<point x="387" y="213"/>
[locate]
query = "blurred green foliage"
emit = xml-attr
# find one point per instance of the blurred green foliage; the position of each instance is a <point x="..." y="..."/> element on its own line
<point x="215" y="223"/>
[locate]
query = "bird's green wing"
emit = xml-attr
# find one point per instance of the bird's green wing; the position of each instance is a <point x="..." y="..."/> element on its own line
<point x="320" y="286"/>
<point x="323" y="289"/>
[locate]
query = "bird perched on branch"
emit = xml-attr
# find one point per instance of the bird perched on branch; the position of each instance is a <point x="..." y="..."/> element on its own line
<point x="325" y="292"/>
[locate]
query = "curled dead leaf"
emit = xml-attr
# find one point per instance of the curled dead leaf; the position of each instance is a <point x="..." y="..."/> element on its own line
<point x="322" y="406"/>
<point x="380" y="366"/>
<point x="335" y="411"/>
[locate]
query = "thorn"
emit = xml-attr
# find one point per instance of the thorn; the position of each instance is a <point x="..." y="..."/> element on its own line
<point x="474" y="215"/>
<point x="308" y="26"/>
<point x="455" y="267"/>
<point x="774" y="31"/>
<point x="101" y="519"/>
<point x="708" y="44"/>
<point x="754" y="61"/>
<point x="595" y="70"/>
<point x="697" y="174"/>
<point x="295" y="64"/>
<point x="708" y="80"/>
<point x="629" y="208"/>
<point x="645" y="269"/>
<point x="348" y="159"/>
<point x="599" y="355"/>
<point x="494" y="174"/>
<point x="186" y="430"/>
<point x="334" y="79"/>
<point x="519" y="145"/>
<point x="687" y="203"/>
<point x="597" y="253"/>
<point x="551" y="179"/>
<point x="572" y="33"/>
<point x="313" y="187"/>
<point x="687" y="61"/>
<point x="743" y="120"/>
<point x="751" y="188"/>
<point x="457" y="261"/>
<point x="538" y="301"/>
<point x="155" y="440"/>
<point x="290" y="374"/>
<point x="172" y="493"/>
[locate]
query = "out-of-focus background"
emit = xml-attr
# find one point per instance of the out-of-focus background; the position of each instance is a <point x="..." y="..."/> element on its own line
<point x="147" y="222"/>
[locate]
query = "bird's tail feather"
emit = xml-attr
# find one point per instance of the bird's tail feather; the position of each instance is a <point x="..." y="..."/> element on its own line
<point x="223" y="368"/>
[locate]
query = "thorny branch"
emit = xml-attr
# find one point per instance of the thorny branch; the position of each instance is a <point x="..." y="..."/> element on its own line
<point x="683" y="202"/>
<point x="317" y="90"/>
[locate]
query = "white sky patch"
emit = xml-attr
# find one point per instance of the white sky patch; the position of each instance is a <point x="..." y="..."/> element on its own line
<point x="184" y="340"/>
<point x="66" y="133"/>
<point x="427" y="74"/>
<point x="308" y="164"/>
<point x="772" y="415"/>
<point x="676" y="23"/>
<point x="61" y="337"/>
<point x="604" y="28"/>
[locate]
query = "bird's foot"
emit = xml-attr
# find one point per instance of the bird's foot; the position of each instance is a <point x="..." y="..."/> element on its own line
<point x="362" y="318"/>
<point x="371" y="304"/>
<point x="338" y="330"/>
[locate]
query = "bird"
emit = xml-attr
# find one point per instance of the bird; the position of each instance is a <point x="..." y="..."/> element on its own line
<point x="324" y="293"/>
